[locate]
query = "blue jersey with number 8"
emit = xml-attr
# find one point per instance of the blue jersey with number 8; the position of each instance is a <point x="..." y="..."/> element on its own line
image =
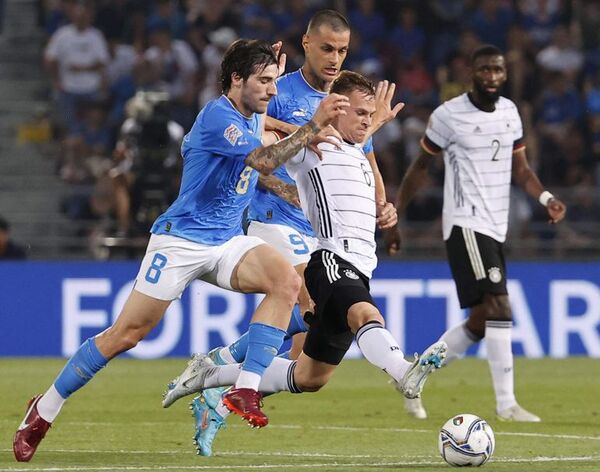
<point x="216" y="184"/>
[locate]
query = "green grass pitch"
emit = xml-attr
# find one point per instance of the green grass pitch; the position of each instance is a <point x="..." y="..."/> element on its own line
<point x="355" y="423"/>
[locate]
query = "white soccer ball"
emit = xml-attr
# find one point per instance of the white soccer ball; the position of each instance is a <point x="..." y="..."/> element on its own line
<point x="466" y="440"/>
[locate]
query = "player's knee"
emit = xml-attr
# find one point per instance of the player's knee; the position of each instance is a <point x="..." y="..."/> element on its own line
<point x="497" y="307"/>
<point x="287" y="285"/>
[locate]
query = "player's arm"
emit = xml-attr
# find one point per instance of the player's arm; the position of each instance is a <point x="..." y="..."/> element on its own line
<point x="265" y="159"/>
<point x="273" y="124"/>
<point x="414" y="180"/>
<point x="287" y="192"/>
<point x="523" y="175"/>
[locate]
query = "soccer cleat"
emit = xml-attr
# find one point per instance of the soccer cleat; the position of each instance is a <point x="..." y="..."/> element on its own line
<point x="414" y="407"/>
<point x="517" y="413"/>
<point x="412" y="383"/>
<point x="246" y="403"/>
<point x="191" y="379"/>
<point x="213" y="395"/>
<point x="208" y="423"/>
<point x="30" y="433"/>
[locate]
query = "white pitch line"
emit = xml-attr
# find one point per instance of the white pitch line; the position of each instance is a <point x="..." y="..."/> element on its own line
<point x="296" y="466"/>
<point x="576" y="437"/>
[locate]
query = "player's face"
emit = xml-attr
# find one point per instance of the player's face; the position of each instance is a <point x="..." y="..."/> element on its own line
<point x="359" y="115"/>
<point x="489" y="74"/>
<point x="258" y="89"/>
<point x="325" y="51"/>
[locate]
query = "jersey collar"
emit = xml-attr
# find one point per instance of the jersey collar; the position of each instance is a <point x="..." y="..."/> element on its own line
<point x="247" y="118"/>
<point x="310" y="86"/>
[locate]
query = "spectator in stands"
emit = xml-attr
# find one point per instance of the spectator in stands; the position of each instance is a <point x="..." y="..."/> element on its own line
<point x="169" y="12"/>
<point x="173" y="67"/>
<point x="491" y="21"/>
<point x="8" y="248"/>
<point x="146" y="163"/>
<point x="76" y="58"/>
<point x="86" y="147"/>
<point x="540" y="18"/>
<point x="561" y="55"/>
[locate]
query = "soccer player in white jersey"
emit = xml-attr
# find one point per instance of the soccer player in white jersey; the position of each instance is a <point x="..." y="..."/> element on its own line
<point x="481" y="137"/>
<point x="338" y="196"/>
<point x="200" y="236"/>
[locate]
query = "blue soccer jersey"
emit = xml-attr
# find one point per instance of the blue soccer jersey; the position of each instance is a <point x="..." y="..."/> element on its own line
<point x="295" y="103"/>
<point x="216" y="185"/>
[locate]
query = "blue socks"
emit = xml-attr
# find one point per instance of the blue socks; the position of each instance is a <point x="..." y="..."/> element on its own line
<point x="80" y="369"/>
<point x="239" y="348"/>
<point x="264" y="342"/>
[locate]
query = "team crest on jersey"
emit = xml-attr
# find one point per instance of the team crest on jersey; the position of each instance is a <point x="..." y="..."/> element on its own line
<point x="494" y="275"/>
<point x="232" y="134"/>
<point x="351" y="274"/>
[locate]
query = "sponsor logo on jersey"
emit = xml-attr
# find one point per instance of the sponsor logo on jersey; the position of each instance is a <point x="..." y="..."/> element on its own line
<point x="494" y="274"/>
<point x="232" y="134"/>
<point x="300" y="112"/>
<point x="350" y="274"/>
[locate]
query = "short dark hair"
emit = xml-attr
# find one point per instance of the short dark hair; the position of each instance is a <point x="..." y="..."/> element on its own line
<point x="485" y="50"/>
<point x="349" y="81"/>
<point x="245" y="57"/>
<point x="335" y="20"/>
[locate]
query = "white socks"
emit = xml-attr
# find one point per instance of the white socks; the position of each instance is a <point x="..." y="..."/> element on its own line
<point x="50" y="404"/>
<point x="500" y="359"/>
<point x="458" y="339"/>
<point x="276" y="378"/>
<point x="381" y="349"/>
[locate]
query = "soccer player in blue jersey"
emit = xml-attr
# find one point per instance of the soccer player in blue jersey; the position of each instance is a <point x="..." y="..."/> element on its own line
<point x="274" y="213"/>
<point x="200" y="236"/>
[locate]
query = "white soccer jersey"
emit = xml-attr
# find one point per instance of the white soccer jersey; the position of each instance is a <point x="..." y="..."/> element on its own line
<point x="338" y="198"/>
<point x="478" y="148"/>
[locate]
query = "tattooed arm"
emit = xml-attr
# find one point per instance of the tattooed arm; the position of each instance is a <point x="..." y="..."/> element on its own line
<point x="266" y="159"/>
<point x="283" y="190"/>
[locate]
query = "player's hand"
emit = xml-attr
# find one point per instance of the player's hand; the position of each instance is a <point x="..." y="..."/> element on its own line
<point x="556" y="210"/>
<point x="281" y="57"/>
<point x="326" y="135"/>
<point x="384" y="112"/>
<point x="392" y="240"/>
<point x="387" y="215"/>
<point x="332" y="106"/>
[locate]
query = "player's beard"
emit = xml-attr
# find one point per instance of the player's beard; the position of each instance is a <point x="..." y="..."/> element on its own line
<point x="489" y="97"/>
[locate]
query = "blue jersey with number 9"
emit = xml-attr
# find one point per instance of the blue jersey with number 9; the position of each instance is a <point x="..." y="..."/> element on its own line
<point x="216" y="184"/>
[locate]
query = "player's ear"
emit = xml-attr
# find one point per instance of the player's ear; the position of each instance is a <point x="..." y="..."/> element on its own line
<point x="236" y="79"/>
<point x="305" y="39"/>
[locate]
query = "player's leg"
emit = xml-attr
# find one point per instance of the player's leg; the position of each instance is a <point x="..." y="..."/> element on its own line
<point x="479" y="270"/>
<point x="262" y="269"/>
<point x="139" y="315"/>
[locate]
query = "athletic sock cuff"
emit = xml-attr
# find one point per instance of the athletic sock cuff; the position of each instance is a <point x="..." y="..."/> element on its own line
<point x="498" y="324"/>
<point x="290" y="379"/>
<point x="366" y="327"/>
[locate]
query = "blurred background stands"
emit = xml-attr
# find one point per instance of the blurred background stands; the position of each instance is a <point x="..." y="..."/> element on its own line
<point x="80" y="178"/>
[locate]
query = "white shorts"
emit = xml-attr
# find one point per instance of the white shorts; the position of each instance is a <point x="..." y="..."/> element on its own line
<point x="171" y="263"/>
<point x="294" y="246"/>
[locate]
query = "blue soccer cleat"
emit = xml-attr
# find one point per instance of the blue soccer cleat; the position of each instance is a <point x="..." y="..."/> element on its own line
<point x="212" y="396"/>
<point x="208" y="422"/>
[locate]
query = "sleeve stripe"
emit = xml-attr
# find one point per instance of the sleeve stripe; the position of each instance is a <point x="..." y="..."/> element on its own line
<point x="429" y="146"/>
<point x="518" y="145"/>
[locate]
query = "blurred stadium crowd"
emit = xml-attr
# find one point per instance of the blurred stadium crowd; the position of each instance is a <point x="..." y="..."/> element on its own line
<point x="129" y="76"/>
